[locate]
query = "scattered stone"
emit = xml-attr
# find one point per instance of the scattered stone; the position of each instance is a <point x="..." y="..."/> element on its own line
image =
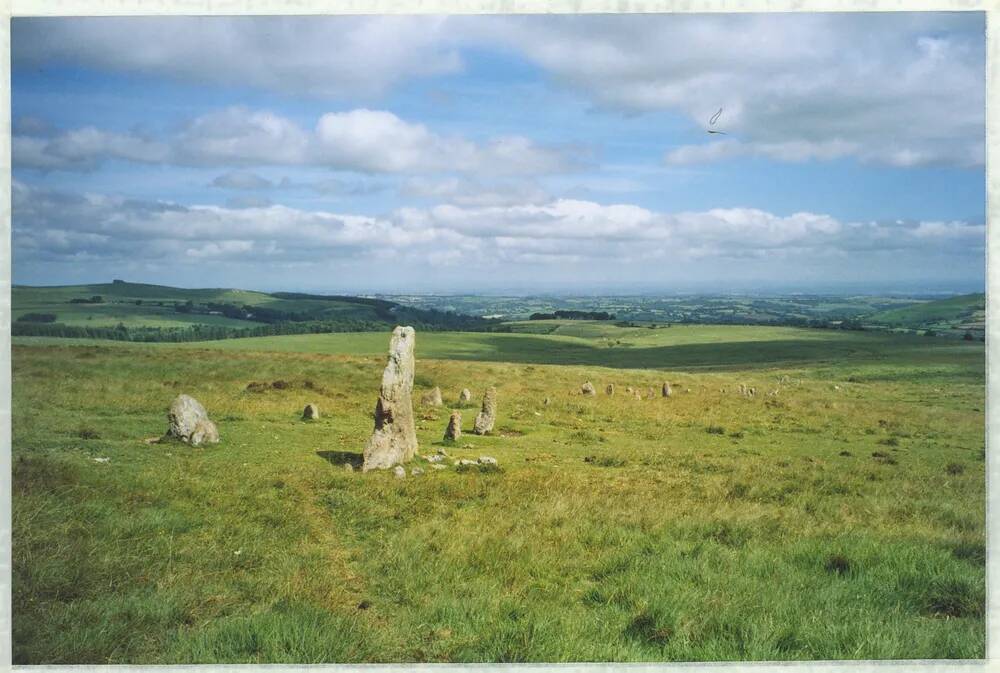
<point x="152" y="440"/>
<point x="102" y="460"/>
<point x="629" y="390"/>
<point x="454" y="429"/>
<point x="687" y="390"/>
<point x="436" y="458"/>
<point x="416" y="471"/>
<point x="666" y="389"/>
<point x="399" y="471"/>
<point x="610" y="389"/>
<point x="651" y="393"/>
<point x="465" y="461"/>
<point x="439" y="467"/>
<point x="547" y="401"/>
<point x="348" y="467"/>
<point x="188" y="421"/>
<point x="468" y="446"/>
<point x="465" y="396"/>
<point x="433" y="398"/>
<point x="310" y="413"/>
<point x="636" y="394"/>
<point x="487" y="460"/>
<point x="588" y="388"/>
<point x="441" y="451"/>
<point x="394" y="439"/>
<point x="488" y="415"/>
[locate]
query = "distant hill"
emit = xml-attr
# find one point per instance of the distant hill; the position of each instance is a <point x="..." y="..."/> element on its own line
<point x="143" y="312"/>
<point x="962" y="312"/>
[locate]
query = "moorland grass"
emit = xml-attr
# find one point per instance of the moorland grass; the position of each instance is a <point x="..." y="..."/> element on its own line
<point x="615" y="529"/>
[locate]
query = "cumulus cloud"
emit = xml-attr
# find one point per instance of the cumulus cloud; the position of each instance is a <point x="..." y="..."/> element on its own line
<point x="317" y="56"/>
<point x="899" y="89"/>
<point x="57" y="226"/>
<point x="244" y="180"/>
<point x="373" y="141"/>
<point x="896" y="89"/>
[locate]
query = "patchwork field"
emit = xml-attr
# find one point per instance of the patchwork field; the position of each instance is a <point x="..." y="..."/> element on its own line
<point x="838" y="514"/>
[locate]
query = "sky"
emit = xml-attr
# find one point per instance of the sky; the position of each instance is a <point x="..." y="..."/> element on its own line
<point x="518" y="154"/>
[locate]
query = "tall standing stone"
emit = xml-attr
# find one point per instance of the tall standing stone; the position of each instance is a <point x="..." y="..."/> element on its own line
<point x="666" y="389"/>
<point x="488" y="415"/>
<point x="610" y="389"/>
<point x="588" y="388"/>
<point x="394" y="439"/>
<point x="454" y="429"/>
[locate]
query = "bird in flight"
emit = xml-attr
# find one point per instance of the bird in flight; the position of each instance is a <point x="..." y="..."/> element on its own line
<point x="715" y="118"/>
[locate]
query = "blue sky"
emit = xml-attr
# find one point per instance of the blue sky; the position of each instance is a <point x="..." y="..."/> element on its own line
<point x="489" y="153"/>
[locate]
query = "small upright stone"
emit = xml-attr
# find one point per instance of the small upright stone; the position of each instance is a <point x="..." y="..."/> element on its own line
<point x="636" y="394"/>
<point x="394" y="439"/>
<point x="310" y="413"/>
<point x="610" y="389"/>
<point x="188" y="421"/>
<point x="399" y="471"/>
<point x="666" y="389"/>
<point x="588" y="389"/>
<point x="651" y="393"/>
<point x="454" y="429"/>
<point x="465" y="396"/>
<point x="488" y="414"/>
<point x="547" y="401"/>
<point x="433" y="398"/>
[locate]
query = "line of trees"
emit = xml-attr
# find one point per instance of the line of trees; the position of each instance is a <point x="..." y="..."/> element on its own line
<point x="573" y="315"/>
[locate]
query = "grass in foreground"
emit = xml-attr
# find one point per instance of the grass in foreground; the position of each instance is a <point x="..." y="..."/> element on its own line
<point x="841" y="518"/>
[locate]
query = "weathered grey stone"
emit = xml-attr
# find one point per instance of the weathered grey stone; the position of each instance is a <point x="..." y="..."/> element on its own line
<point x="629" y="389"/>
<point x="433" y="398"/>
<point x="547" y="401"/>
<point x="439" y="467"/>
<point x="188" y="421"/>
<point x="454" y="429"/>
<point x="465" y="461"/>
<point x="610" y="389"/>
<point x="487" y="460"/>
<point x="436" y="458"/>
<point x="399" y="471"/>
<point x="348" y="467"/>
<point x="310" y="413"/>
<point x="488" y="414"/>
<point x="588" y="388"/>
<point x="666" y="389"/>
<point x="465" y="396"/>
<point x="651" y="393"/>
<point x="416" y="471"/>
<point x="394" y="439"/>
<point x="636" y="394"/>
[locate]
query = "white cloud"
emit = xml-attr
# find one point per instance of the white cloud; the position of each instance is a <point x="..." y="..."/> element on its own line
<point x="896" y="89"/>
<point x="323" y="57"/>
<point x="54" y="226"/>
<point x="363" y="140"/>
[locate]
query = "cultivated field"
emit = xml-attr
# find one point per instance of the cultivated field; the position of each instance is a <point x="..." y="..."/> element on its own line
<point x="842" y="517"/>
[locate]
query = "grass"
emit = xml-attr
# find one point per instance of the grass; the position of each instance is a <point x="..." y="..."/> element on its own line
<point x="784" y="537"/>
<point x="156" y="305"/>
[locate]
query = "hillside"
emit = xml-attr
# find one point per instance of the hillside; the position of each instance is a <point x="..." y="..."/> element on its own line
<point x="836" y="513"/>
<point x="961" y="312"/>
<point x="142" y="312"/>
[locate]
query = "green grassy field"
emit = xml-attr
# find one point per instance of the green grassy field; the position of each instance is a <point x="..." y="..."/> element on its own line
<point x="156" y="305"/>
<point x="842" y="517"/>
